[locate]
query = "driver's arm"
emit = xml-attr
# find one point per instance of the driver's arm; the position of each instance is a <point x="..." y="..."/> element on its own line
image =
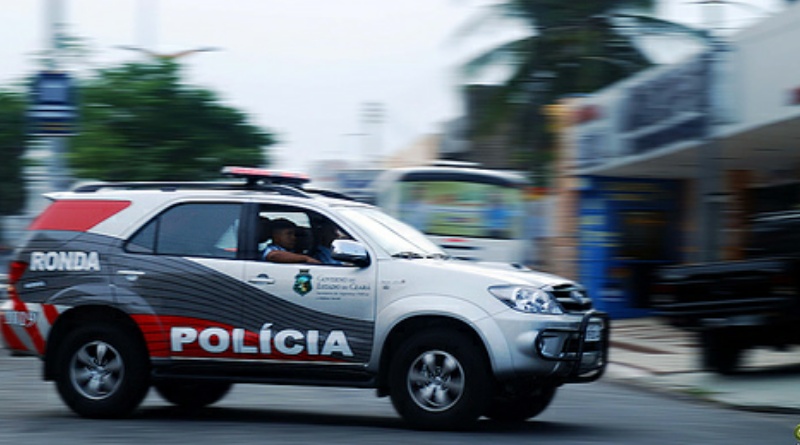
<point x="282" y="256"/>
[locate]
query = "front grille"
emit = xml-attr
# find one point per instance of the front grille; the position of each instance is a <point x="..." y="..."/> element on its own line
<point x="572" y="298"/>
<point x="572" y="346"/>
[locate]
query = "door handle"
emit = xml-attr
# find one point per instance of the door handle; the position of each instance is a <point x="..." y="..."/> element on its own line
<point x="131" y="275"/>
<point x="262" y="279"/>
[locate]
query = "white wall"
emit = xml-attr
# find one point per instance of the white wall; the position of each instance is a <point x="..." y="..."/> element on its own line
<point x="767" y="69"/>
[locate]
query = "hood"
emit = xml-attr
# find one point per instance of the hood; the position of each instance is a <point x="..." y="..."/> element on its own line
<point x="496" y="273"/>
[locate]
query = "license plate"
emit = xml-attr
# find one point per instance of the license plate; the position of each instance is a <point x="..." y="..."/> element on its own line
<point x="593" y="332"/>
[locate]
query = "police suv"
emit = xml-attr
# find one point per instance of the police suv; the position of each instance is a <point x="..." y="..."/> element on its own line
<point x="122" y="286"/>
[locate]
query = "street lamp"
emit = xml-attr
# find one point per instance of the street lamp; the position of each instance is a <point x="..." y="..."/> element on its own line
<point x="167" y="56"/>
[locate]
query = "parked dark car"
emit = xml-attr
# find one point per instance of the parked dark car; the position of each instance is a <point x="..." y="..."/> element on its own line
<point x="737" y="305"/>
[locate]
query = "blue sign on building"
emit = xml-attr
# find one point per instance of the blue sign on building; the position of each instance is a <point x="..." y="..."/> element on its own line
<point x="52" y="107"/>
<point x="628" y="228"/>
<point x="668" y="109"/>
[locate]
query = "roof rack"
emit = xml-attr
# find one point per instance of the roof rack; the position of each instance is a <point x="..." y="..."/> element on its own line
<point x="283" y="183"/>
<point x="156" y="185"/>
<point x="330" y="194"/>
<point x="451" y="163"/>
<point x="173" y="186"/>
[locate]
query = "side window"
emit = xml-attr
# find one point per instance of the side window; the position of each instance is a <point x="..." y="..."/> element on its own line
<point x="145" y="239"/>
<point x="270" y="216"/>
<point x="200" y="229"/>
<point x="313" y="233"/>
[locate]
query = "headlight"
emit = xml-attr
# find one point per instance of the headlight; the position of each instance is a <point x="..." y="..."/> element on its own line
<point x="527" y="299"/>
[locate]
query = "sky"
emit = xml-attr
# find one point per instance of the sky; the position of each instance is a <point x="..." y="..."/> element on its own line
<point x="303" y="69"/>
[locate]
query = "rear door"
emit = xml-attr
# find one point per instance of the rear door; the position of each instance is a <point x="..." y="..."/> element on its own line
<point x="180" y="277"/>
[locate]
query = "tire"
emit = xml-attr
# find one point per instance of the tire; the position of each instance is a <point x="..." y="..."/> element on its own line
<point x="102" y="371"/>
<point x="439" y="381"/>
<point x="190" y="394"/>
<point x="721" y="352"/>
<point x="521" y="407"/>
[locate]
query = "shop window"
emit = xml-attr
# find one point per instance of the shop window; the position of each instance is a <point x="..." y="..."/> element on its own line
<point x="643" y="235"/>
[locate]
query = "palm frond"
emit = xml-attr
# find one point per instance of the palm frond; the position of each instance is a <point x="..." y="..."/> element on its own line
<point x="486" y="17"/>
<point x="574" y="47"/>
<point x="648" y="25"/>
<point x="509" y="53"/>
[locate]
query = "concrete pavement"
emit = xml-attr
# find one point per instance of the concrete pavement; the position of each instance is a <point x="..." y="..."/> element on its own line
<point x="647" y="352"/>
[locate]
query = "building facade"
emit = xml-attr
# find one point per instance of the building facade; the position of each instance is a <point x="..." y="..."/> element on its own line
<point x="671" y="166"/>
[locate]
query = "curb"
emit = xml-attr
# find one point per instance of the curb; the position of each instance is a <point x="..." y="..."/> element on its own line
<point x="633" y="347"/>
<point x="641" y="378"/>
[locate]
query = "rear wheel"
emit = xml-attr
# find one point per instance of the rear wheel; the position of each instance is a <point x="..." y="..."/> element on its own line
<point x="102" y="372"/>
<point x="721" y="351"/>
<point x="439" y="380"/>
<point x="192" y="394"/>
<point x="520" y="407"/>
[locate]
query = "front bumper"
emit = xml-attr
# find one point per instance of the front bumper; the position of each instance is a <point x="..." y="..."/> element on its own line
<point x="582" y="352"/>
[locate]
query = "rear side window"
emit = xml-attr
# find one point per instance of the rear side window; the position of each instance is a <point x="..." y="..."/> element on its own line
<point x="145" y="240"/>
<point x="200" y="229"/>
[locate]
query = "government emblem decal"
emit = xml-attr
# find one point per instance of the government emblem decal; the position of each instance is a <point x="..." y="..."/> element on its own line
<point x="302" y="282"/>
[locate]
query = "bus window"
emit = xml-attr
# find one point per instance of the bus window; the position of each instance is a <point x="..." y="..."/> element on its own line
<point x="472" y="213"/>
<point x="451" y="208"/>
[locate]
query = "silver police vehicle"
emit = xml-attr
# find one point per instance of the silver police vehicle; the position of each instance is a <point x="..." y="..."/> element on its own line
<point x="120" y="287"/>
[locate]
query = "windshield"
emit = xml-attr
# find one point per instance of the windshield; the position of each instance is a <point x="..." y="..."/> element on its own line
<point x="395" y="237"/>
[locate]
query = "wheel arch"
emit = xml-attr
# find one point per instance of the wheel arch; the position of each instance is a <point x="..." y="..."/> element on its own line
<point x="83" y="315"/>
<point x="419" y="323"/>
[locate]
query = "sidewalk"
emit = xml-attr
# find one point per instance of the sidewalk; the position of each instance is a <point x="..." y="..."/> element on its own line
<point x="647" y="352"/>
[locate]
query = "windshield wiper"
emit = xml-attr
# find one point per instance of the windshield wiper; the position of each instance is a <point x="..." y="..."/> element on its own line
<point x="407" y="255"/>
<point x="439" y="256"/>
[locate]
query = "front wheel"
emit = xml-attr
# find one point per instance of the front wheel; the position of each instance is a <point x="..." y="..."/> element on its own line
<point x="521" y="407"/>
<point x="103" y="371"/>
<point x="439" y="380"/>
<point x="192" y="394"/>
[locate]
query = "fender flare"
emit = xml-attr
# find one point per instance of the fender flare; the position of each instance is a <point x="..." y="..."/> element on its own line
<point x="458" y="309"/>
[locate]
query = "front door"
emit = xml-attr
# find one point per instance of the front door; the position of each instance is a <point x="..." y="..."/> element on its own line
<point x="309" y="312"/>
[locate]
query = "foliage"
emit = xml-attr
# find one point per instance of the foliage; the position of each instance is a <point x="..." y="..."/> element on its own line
<point x="139" y="121"/>
<point x="12" y="148"/>
<point x="572" y="47"/>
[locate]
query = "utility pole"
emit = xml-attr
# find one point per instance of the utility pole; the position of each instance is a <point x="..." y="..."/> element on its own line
<point x="372" y="117"/>
<point x="59" y="177"/>
<point x="50" y="115"/>
<point x="710" y="193"/>
<point x="147" y="24"/>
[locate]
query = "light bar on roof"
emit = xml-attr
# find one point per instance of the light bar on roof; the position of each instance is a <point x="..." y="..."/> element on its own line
<point x="272" y="176"/>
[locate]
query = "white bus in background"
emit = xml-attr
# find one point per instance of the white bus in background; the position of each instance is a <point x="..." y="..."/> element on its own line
<point x="353" y="181"/>
<point x="472" y="213"/>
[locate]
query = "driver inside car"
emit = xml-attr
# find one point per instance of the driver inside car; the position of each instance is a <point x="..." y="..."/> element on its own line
<point x="284" y="239"/>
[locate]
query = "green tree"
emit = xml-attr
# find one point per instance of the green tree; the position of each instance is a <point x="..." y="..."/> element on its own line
<point x="12" y="148"/>
<point x="141" y="121"/>
<point x="572" y="47"/>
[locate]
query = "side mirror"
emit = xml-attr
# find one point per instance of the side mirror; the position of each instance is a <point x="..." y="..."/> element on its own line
<point x="349" y="251"/>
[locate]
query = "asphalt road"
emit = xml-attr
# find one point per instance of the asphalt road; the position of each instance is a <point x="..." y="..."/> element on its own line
<point x="599" y="413"/>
